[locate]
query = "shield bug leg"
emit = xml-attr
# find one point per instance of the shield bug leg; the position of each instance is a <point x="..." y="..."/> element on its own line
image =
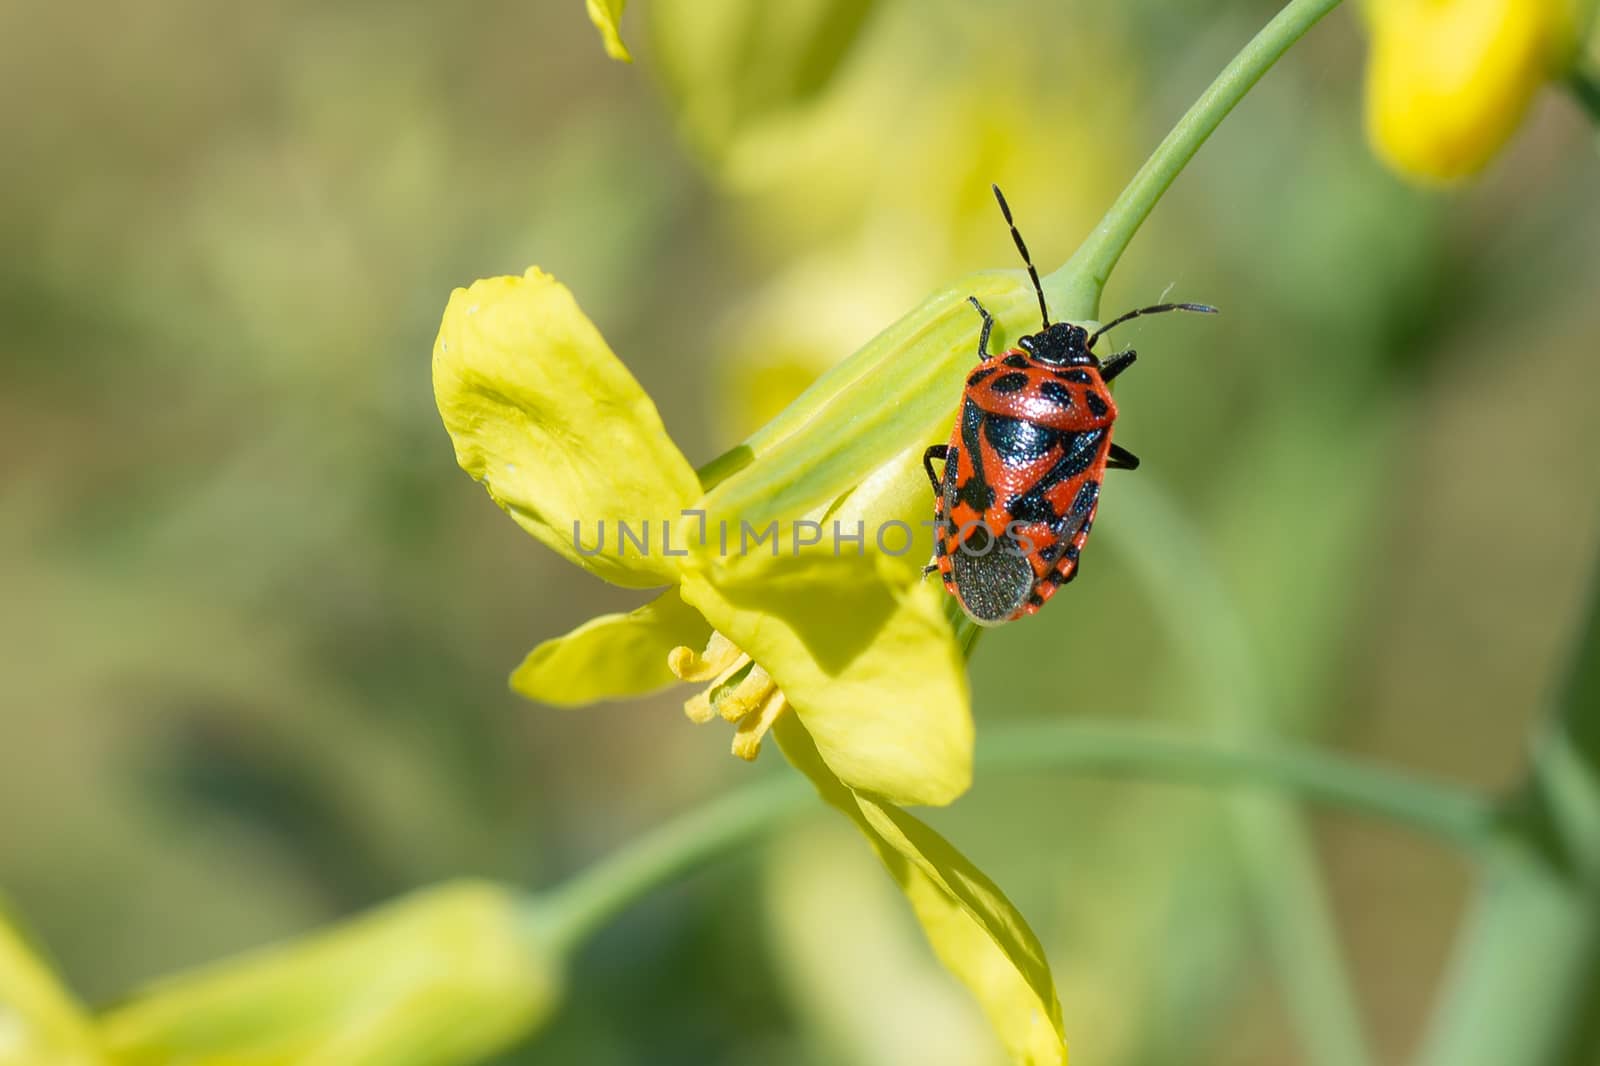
<point x="1117" y="364"/>
<point x="938" y="550"/>
<point x="1120" y="458"/>
<point x="988" y="327"/>
<point x="940" y="452"/>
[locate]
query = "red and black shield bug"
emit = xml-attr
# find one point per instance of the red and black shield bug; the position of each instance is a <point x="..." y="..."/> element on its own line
<point x="1023" y="468"/>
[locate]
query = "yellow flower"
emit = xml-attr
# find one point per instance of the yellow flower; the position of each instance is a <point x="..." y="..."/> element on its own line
<point x="40" y="1023"/>
<point x="564" y="439"/>
<point x="1449" y="81"/>
<point x="444" y="977"/>
<point x="841" y="633"/>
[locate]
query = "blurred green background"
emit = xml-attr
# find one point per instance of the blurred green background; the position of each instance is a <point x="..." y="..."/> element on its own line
<point x="257" y="625"/>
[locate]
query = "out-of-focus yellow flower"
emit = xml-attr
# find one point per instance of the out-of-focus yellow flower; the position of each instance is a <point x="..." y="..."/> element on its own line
<point x="441" y="978"/>
<point x="854" y="233"/>
<point x="731" y="64"/>
<point x="1449" y="81"/>
<point x="550" y="422"/>
<point x="40" y="1023"/>
<point x="605" y="14"/>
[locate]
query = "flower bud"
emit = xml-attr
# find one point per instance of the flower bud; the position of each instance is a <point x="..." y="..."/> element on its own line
<point x="443" y="977"/>
<point x="1449" y="81"/>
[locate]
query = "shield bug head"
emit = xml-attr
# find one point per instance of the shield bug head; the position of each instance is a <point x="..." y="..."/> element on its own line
<point x="1064" y="344"/>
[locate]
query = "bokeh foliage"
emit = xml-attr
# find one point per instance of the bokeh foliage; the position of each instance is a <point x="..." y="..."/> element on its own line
<point x="257" y="627"/>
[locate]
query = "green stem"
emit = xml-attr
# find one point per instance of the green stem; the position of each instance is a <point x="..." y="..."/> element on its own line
<point x="576" y="909"/>
<point x="1526" y="977"/>
<point x="1586" y="89"/>
<point x="570" y="913"/>
<point x="1074" y="290"/>
<point x="1435" y="809"/>
<point x="1283" y="890"/>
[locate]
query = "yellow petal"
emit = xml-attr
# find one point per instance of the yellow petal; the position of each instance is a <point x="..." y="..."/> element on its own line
<point x="974" y="929"/>
<point x="612" y="657"/>
<point x="1448" y="81"/>
<point x="866" y="989"/>
<point x="40" y="1023"/>
<point x="605" y="14"/>
<point x="869" y="665"/>
<point x="550" y="421"/>
<point x="444" y="977"/>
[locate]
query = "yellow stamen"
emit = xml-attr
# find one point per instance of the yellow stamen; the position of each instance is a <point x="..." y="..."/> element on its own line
<point x="747" y="695"/>
<point x="739" y="690"/>
<point x="753" y="727"/>
<point x="720" y="654"/>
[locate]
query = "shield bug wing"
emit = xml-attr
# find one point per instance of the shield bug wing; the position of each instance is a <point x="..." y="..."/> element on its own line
<point x="991" y="575"/>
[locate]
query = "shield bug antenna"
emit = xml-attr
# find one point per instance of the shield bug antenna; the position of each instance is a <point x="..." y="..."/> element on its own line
<point x="1204" y="309"/>
<point x="1005" y="209"/>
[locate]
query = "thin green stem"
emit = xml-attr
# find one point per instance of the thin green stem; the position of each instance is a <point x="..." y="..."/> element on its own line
<point x="1074" y="290"/>
<point x="570" y="913"/>
<point x="1433" y="808"/>
<point x="1586" y="90"/>
<point x="1526" y="975"/>
<point x="1282" y="890"/>
<point x="579" y="907"/>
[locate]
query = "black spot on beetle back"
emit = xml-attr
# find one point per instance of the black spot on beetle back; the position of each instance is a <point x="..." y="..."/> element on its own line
<point x="1009" y="383"/>
<point x="1017" y="441"/>
<point x="975" y="493"/>
<point x="1056" y="393"/>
